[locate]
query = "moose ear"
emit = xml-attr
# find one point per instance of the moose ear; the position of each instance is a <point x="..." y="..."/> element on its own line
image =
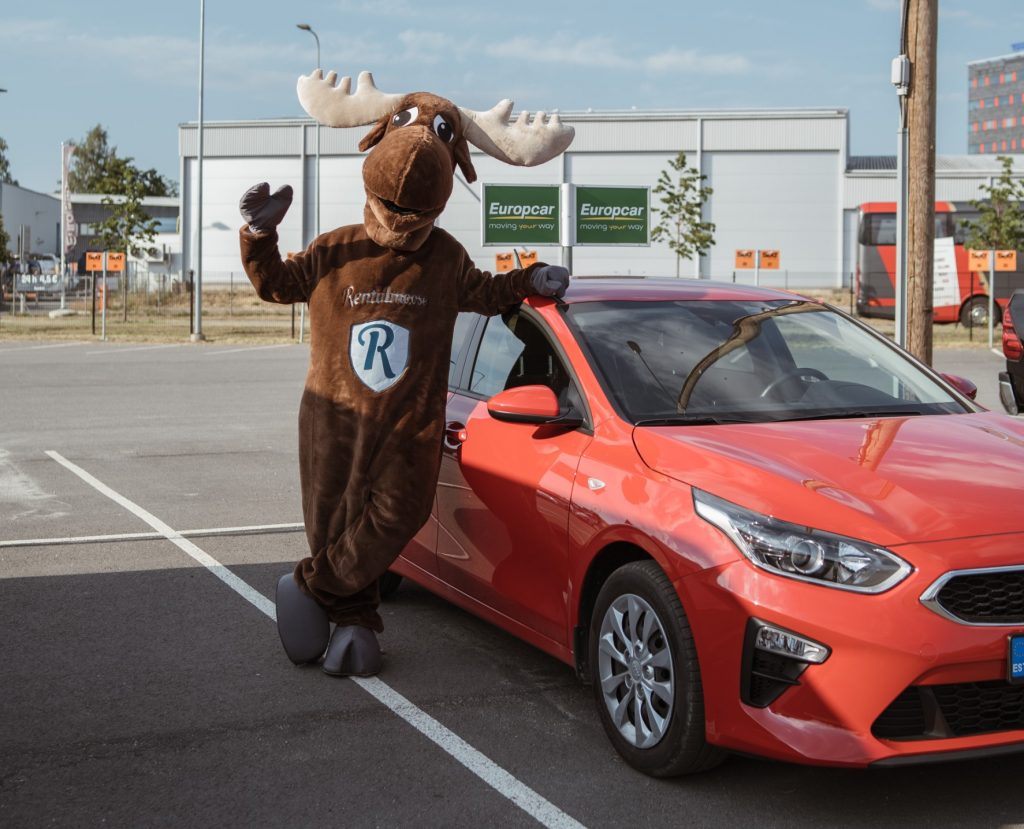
<point x="373" y="137"/>
<point x="461" y="152"/>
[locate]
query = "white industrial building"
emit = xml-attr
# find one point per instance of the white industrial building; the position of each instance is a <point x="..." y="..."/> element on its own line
<point x="781" y="179"/>
<point x="31" y="219"/>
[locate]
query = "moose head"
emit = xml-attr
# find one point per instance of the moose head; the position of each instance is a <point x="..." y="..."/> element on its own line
<point x="417" y="141"/>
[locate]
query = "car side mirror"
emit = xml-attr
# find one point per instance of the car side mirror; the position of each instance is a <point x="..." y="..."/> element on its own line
<point x="961" y="384"/>
<point x="531" y="404"/>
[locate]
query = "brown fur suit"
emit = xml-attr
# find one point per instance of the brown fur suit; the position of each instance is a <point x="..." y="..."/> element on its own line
<point x="383" y="297"/>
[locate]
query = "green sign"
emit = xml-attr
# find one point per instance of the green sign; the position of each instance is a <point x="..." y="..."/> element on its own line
<point x="521" y="214"/>
<point x="613" y="215"/>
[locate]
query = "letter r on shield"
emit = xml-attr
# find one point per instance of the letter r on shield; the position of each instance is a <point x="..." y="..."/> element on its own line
<point x="379" y="352"/>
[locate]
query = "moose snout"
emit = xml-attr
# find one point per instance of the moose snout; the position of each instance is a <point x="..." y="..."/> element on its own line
<point x="412" y="168"/>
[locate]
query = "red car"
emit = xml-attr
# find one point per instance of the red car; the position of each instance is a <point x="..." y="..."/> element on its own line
<point x="750" y="522"/>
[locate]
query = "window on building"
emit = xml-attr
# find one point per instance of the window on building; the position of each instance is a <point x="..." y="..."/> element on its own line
<point x="1002" y="78"/>
<point x="1013" y="76"/>
<point x="981" y="104"/>
<point x="993" y="146"/>
<point x="974" y="127"/>
<point x="974" y="83"/>
<point x="986" y="80"/>
<point x="1013" y="144"/>
<point x="995" y="101"/>
<point x="1010" y="101"/>
<point x="981" y="148"/>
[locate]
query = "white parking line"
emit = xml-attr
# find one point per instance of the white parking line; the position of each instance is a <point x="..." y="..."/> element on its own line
<point x="255" y="529"/>
<point x="997" y="351"/>
<point x="37" y="347"/>
<point x="114" y="350"/>
<point x="538" y="807"/>
<point x="250" y="348"/>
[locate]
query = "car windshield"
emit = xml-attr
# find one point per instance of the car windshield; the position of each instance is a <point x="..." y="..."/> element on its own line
<point x="729" y="361"/>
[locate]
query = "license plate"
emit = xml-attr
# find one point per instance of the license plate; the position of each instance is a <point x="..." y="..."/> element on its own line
<point x="1016" y="666"/>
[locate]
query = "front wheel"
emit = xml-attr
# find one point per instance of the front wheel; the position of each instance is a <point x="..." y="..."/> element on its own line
<point x="975" y="312"/>
<point x="645" y="674"/>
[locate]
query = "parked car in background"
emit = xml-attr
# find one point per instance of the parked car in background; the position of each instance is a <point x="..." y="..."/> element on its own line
<point x="1011" y="381"/>
<point x="750" y="522"/>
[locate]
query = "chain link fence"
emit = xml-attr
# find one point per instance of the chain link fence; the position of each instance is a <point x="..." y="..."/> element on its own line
<point x="141" y="305"/>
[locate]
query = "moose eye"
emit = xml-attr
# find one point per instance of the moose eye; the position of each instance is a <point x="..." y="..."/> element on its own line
<point x="406" y="116"/>
<point x="443" y="129"/>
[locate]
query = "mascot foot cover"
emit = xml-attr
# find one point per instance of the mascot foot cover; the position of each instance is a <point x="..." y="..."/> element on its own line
<point x="353" y="651"/>
<point x="301" y="623"/>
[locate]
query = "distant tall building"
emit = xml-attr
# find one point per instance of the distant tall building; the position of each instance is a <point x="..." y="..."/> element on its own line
<point x="995" y="104"/>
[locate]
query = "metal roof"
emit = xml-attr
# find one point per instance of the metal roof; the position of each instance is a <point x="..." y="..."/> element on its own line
<point x="978" y="165"/>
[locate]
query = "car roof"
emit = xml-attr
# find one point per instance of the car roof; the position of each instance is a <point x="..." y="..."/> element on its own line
<point x="652" y="288"/>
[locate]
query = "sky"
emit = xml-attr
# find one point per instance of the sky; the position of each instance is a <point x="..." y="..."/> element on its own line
<point x="133" y="67"/>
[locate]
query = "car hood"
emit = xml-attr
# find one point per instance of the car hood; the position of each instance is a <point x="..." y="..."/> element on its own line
<point x="889" y="481"/>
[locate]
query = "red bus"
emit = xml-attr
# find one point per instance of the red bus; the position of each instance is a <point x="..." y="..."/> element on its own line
<point x="963" y="299"/>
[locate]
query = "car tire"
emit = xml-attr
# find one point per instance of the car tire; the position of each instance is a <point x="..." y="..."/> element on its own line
<point x="661" y="662"/>
<point x="975" y="312"/>
<point x="389" y="583"/>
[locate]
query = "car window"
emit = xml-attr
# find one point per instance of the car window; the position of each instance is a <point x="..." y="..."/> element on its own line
<point x="463" y="325"/>
<point x="514" y="352"/>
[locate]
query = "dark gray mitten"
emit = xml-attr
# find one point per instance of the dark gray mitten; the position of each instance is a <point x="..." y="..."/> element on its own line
<point x="550" y="280"/>
<point x="263" y="212"/>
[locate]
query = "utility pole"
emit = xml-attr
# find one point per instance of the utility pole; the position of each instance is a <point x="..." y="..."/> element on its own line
<point x="922" y="37"/>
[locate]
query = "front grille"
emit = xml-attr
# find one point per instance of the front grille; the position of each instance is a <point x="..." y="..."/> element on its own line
<point x="903" y="719"/>
<point x="992" y="598"/>
<point x="962" y="710"/>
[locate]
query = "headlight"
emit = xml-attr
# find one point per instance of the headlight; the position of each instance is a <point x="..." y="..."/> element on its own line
<point x="801" y="552"/>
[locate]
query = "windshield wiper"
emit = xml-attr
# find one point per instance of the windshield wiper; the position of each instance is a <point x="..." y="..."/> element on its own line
<point x="849" y="413"/>
<point x="691" y="420"/>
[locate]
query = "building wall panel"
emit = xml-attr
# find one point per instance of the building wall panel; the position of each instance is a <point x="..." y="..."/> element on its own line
<point x="784" y="201"/>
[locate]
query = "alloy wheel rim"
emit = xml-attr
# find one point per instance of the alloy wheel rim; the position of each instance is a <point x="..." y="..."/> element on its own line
<point x="636" y="671"/>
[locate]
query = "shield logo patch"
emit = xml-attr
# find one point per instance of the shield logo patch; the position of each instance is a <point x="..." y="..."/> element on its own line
<point x="379" y="352"/>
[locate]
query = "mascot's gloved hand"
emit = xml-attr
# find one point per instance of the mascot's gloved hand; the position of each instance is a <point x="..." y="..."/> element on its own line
<point x="550" y="280"/>
<point x="262" y="211"/>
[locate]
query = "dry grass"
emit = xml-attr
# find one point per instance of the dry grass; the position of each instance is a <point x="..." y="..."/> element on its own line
<point x="240" y="316"/>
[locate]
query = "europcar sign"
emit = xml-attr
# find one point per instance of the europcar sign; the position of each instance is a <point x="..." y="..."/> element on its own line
<point x="521" y="214"/>
<point x="612" y="215"/>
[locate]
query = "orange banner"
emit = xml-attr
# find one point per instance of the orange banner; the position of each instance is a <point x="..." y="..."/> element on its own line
<point x="94" y="262"/>
<point x="115" y="262"/>
<point x="1006" y="260"/>
<point x="744" y="260"/>
<point x="502" y="262"/>
<point x="977" y="260"/>
<point x="769" y="260"/>
<point x="527" y="258"/>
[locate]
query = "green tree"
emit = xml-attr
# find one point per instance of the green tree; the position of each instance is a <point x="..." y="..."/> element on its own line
<point x="680" y="220"/>
<point x="128" y="228"/>
<point x="1000" y="223"/>
<point x="5" y="242"/>
<point x="97" y="168"/>
<point x="5" y="165"/>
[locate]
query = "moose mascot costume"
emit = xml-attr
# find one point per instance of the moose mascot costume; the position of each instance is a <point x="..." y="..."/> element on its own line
<point x="383" y="297"/>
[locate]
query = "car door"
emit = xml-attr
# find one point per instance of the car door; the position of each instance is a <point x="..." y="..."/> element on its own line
<point x="421" y="551"/>
<point x="504" y="490"/>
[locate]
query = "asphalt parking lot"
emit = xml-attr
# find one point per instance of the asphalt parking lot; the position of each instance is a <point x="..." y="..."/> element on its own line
<point x="142" y="683"/>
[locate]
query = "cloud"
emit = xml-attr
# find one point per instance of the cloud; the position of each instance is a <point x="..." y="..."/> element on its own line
<point x="428" y="47"/>
<point x="563" y="49"/>
<point x="964" y="17"/>
<point x="692" y="61"/>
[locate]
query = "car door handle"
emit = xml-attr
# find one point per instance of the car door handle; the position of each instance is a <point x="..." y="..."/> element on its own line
<point x="455" y="434"/>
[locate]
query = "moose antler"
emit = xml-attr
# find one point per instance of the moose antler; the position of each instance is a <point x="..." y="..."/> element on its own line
<point x="524" y="143"/>
<point x="334" y="106"/>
